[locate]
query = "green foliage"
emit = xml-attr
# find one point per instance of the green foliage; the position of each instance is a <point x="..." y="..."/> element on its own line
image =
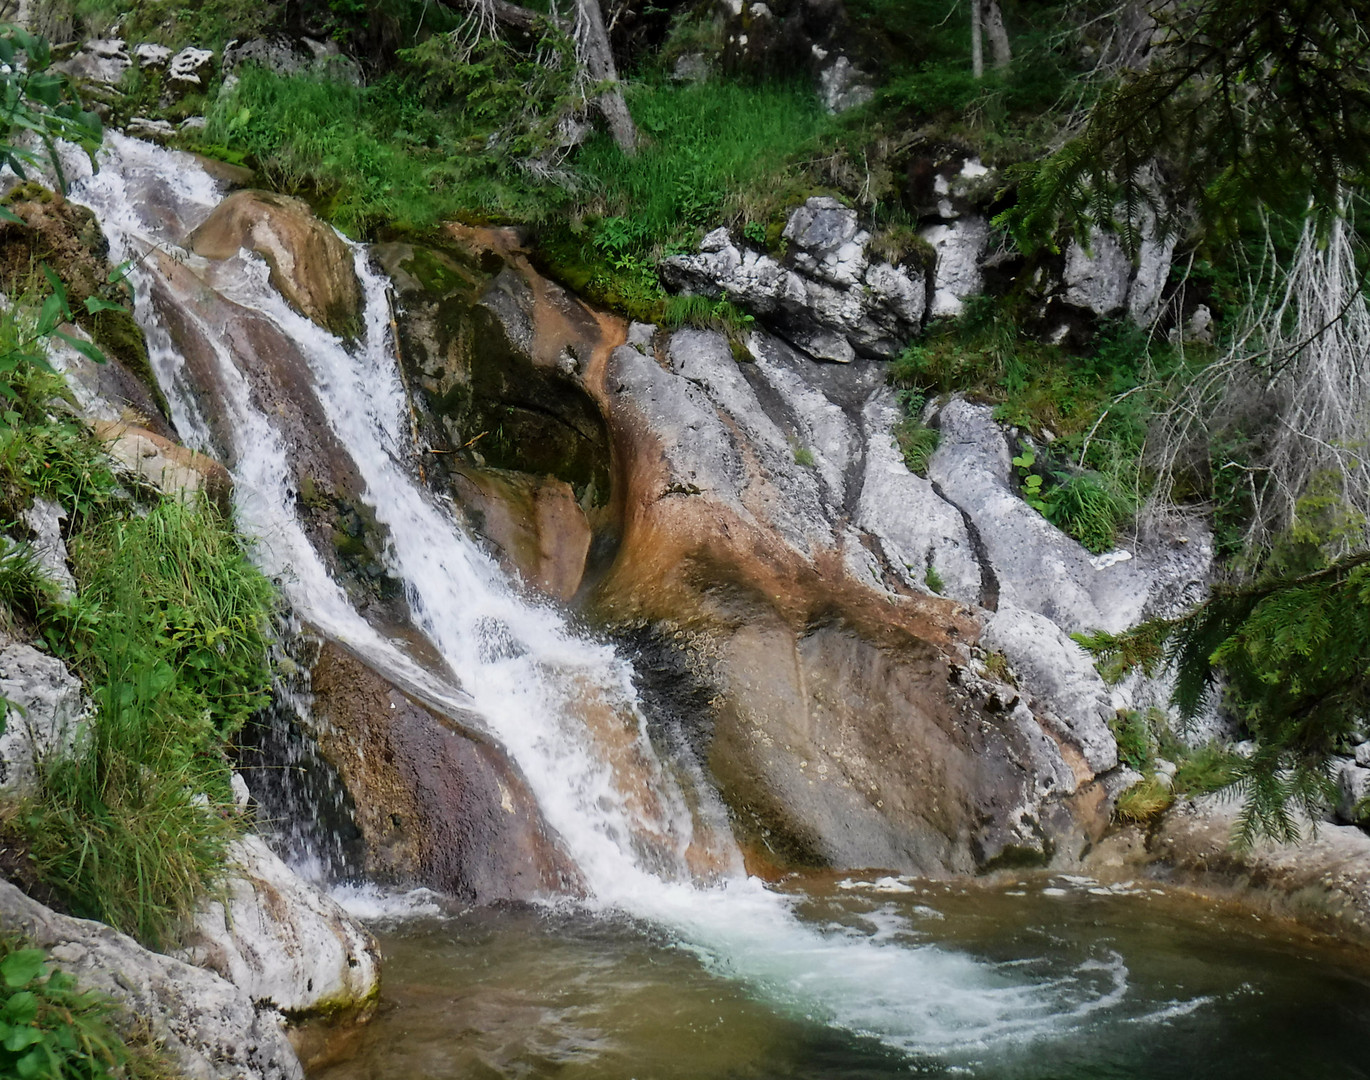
<point x="24" y="590"/>
<point x="917" y="442"/>
<point x="38" y="105"/>
<point x="49" y="1030"/>
<point x="1206" y="770"/>
<point x="1084" y="507"/>
<point x="1295" y="655"/>
<point x="932" y="579"/>
<point x="1136" y="740"/>
<point x="170" y="630"/>
<point x="44" y="452"/>
<point x="1246" y="102"/>
<point x="715" y="153"/>
<point x="803" y="456"/>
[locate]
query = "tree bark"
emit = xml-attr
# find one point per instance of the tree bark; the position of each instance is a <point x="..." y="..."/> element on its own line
<point x="998" y="37"/>
<point x="977" y="46"/>
<point x="592" y="43"/>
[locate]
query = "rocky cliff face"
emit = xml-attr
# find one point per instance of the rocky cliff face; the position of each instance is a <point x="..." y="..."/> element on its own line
<point x="772" y="560"/>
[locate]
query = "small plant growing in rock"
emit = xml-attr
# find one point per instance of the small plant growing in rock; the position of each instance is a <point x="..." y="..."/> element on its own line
<point x="932" y="579"/>
<point x="50" y="1029"/>
<point x="803" y="456"/>
<point x="1033" y="491"/>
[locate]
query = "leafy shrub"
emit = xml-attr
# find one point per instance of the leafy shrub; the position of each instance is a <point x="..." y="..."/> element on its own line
<point x="1083" y="507"/>
<point x="50" y="1030"/>
<point x="1136" y="741"/>
<point x="917" y="442"/>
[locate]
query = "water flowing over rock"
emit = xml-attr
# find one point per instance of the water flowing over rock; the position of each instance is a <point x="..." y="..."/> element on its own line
<point x="310" y="266"/>
<point x="436" y="803"/>
<point x="208" y="1027"/>
<point x="284" y="943"/>
<point x="45" y="714"/>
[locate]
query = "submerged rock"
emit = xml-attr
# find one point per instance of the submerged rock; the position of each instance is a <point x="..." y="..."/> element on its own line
<point x="310" y="265"/>
<point x="283" y="942"/>
<point x="209" y="1028"/>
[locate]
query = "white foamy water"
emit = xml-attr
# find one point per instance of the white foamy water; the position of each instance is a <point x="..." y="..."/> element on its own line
<point x="563" y="706"/>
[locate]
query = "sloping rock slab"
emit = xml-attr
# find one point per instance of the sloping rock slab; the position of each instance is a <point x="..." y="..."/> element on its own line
<point x="310" y="265"/>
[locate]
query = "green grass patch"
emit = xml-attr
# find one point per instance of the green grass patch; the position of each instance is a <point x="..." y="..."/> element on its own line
<point x="1143" y="802"/>
<point x="170" y="630"/>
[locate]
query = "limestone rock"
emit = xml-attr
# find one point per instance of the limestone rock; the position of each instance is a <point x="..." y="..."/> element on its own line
<point x="1363" y="755"/>
<point x="1060" y="676"/>
<point x="1103" y="279"/>
<point x="534" y="521"/>
<point x="310" y="265"/>
<point x="1036" y="566"/>
<point x="208" y="1027"/>
<point x="841" y="86"/>
<point x="281" y="54"/>
<point x="152" y="56"/>
<point x="102" y="61"/>
<point x="436" y="803"/>
<point x="691" y="68"/>
<point x="153" y="130"/>
<point x="45" y="717"/>
<point x="283" y="942"/>
<point x="830" y="299"/>
<point x="190" y="70"/>
<point x="960" y="246"/>
<point x="1353" y="785"/>
<point x="1324" y="880"/>
<point x="44" y="521"/>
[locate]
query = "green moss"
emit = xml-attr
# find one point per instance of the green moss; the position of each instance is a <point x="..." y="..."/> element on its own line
<point x="120" y="336"/>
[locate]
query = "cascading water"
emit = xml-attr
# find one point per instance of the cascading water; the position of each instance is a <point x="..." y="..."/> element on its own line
<point x="562" y="706"/>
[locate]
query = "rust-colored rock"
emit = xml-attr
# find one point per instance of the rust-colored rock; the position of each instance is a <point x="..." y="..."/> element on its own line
<point x="173" y="469"/>
<point x="835" y="697"/>
<point x="534" y="521"/>
<point x="436" y="803"/>
<point x="310" y="266"/>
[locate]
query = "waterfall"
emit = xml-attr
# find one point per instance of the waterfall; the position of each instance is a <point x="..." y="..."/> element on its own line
<point x="562" y="705"/>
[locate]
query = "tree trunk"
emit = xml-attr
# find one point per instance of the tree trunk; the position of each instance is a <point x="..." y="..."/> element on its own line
<point x="998" y="37"/>
<point x="592" y="43"/>
<point x="977" y="47"/>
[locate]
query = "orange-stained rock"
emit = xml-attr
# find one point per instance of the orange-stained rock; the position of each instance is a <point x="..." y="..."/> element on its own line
<point x="310" y="265"/>
<point x="173" y="469"/>
<point x="535" y="522"/>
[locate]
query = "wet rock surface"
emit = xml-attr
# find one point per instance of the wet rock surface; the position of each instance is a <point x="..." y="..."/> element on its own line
<point x="310" y="265"/>
<point x="437" y="804"/>
<point x="284" y="943"/>
<point x="209" y="1028"/>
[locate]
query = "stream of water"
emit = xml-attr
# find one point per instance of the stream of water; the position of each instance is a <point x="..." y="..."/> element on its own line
<point x="671" y="926"/>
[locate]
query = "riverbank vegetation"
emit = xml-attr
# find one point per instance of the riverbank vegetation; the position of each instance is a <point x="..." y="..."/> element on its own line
<point x="1238" y="131"/>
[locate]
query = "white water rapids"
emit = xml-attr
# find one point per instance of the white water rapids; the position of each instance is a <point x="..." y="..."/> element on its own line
<point x="533" y="680"/>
